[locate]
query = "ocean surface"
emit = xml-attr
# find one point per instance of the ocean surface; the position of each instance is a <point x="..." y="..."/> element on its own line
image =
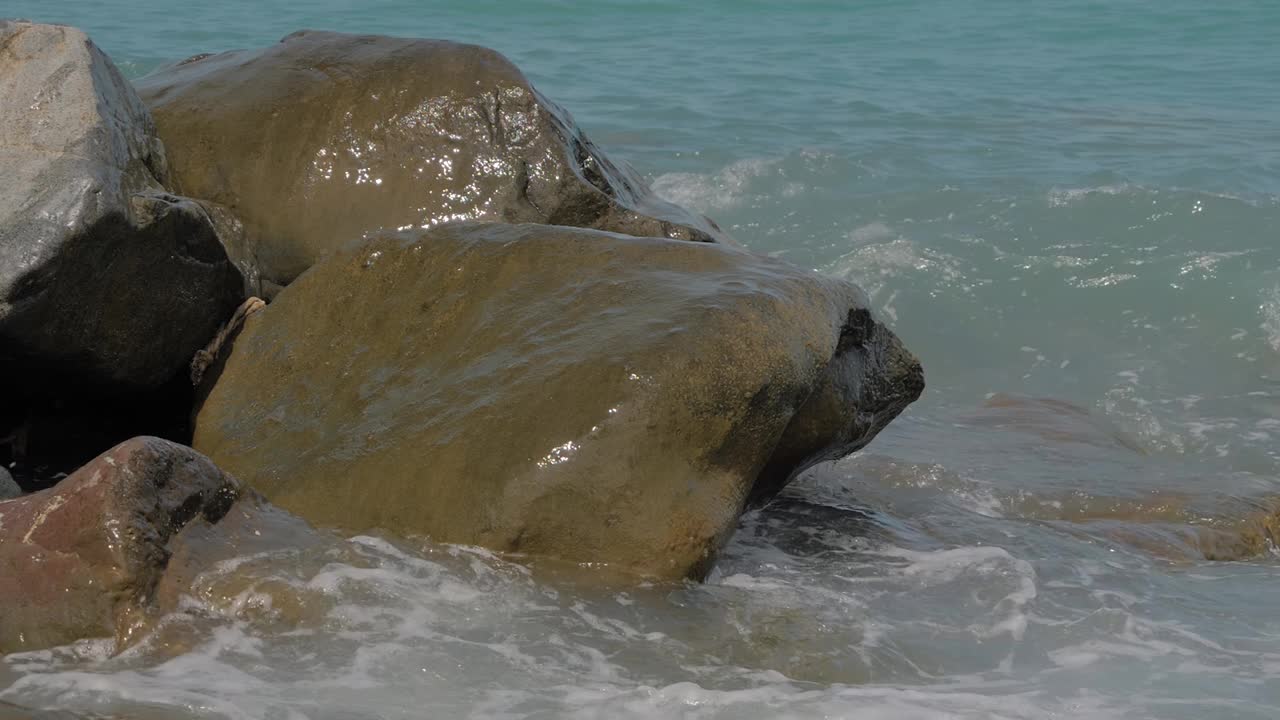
<point x="1069" y="210"/>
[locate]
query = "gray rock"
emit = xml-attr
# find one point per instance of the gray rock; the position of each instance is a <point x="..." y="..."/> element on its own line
<point x="8" y="488"/>
<point x="393" y="133"/>
<point x="106" y="280"/>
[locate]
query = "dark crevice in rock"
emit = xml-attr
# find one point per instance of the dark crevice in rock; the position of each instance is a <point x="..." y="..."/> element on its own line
<point x="47" y="438"/>
<point x="856" y="331"/>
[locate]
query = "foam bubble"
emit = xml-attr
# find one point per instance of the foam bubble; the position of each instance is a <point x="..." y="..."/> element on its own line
<point x="1064" y="197"/>
<point x="1270" y="311"/>
<point x="722" y="190"/>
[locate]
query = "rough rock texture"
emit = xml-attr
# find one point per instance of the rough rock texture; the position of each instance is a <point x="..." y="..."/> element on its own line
<point x="8" y="488"/>
<point x="324" y="136"/>
<point x="83" y="559"/>
<point x="845" y="409"/>
<point x="105" y="279"/>
<point x="550" y="390"/>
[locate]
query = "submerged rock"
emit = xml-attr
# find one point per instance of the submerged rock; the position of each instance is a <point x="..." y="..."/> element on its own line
<point x="323" y="137"/>
<point x="106" y="280"/>
<point x="84" y="559"/>
<point x="550" y="390"/>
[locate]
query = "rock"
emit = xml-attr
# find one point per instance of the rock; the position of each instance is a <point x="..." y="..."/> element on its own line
<point x="240" y="248"/>
<point x="83" y="559"/>
<point x="845" y="409"/>
<point x="8" y="488"/>
<point x="106" y="280"/>
<point x="550" y="390"/>
<point x="323" y="137"/>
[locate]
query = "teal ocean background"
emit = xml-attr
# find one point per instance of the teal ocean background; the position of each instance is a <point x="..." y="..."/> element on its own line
<point x="1069" y="210"/>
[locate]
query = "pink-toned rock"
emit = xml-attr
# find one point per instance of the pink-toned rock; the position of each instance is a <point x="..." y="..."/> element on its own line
<point x="84" y="559"/>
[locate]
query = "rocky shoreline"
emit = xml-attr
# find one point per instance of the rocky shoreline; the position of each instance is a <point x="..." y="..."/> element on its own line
<point x="412" y="296"/>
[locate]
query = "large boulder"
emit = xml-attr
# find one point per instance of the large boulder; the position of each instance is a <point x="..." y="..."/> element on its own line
<point x="84" y="559"/>
<point x="106" y="280"/>
<point x="550" y="390"/>
<point x="323" y="137"/>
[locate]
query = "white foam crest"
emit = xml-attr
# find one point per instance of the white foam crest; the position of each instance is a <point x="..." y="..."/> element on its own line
<point x="83" y="651"/>
<point x="586" y="662"/>
<point x="980" y="500"/>
<point x="716" y="191"/>
<point x="1269" y="309"/>
<point x="1063" y="197"/>
<point x="786" y="701"/>
<point x="991" y="566"/>
<point x="220" y="689"/>
<point x="1134" y="414"/>
<point x="605" y="626"/>
<point x="871" y="233"/>
<point x="881" y="255"/>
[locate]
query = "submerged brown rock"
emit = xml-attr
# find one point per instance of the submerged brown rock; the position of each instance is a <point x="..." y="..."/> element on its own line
<point x="84" y="559"/>
<point x="107" y="282"/>
<point x="323" y="137"/>
<point x="550" y="390"/>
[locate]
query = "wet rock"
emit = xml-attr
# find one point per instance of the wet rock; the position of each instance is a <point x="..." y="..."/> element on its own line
<point x="107" y="281"/>
<point x="550" y="390"/>
<point x="1184" y="528"/>
<point x="233" y="568"/>
<point x="844" y="410"/>
<point x="84" y="559"/>
<point x="8" y="488"/>
<point x="1053" y="421"/>
<point x="323" y="137"/>
<point x="240" y="249"/>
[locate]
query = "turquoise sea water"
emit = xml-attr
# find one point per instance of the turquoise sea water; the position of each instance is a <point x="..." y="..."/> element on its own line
<point x="1069" y="210"/>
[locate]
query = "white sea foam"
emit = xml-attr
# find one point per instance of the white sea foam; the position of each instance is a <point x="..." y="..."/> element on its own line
<point x="882" y="259"/>
<point x="1269" y="309"/>
<point x="723" y="190"/>
<point x="871" y="233"/>
<point x="1064" y="197"/>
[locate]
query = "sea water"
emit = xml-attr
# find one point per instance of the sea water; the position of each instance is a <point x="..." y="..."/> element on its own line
<point x="1070" y="210"/>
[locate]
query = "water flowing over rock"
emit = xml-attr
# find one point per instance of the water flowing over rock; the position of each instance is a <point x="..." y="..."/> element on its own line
<point x="323" y="137"/>
<point x="84" y="559"/>
<point x="106" y="280"/>
<point x="550" y="390"/>
<point x="9" y="711"/>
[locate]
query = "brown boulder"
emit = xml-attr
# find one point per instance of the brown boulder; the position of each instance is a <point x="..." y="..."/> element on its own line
<point x="550" y="390"/>
<point x="84" y="559"/>
<point x="323" y="137"/>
